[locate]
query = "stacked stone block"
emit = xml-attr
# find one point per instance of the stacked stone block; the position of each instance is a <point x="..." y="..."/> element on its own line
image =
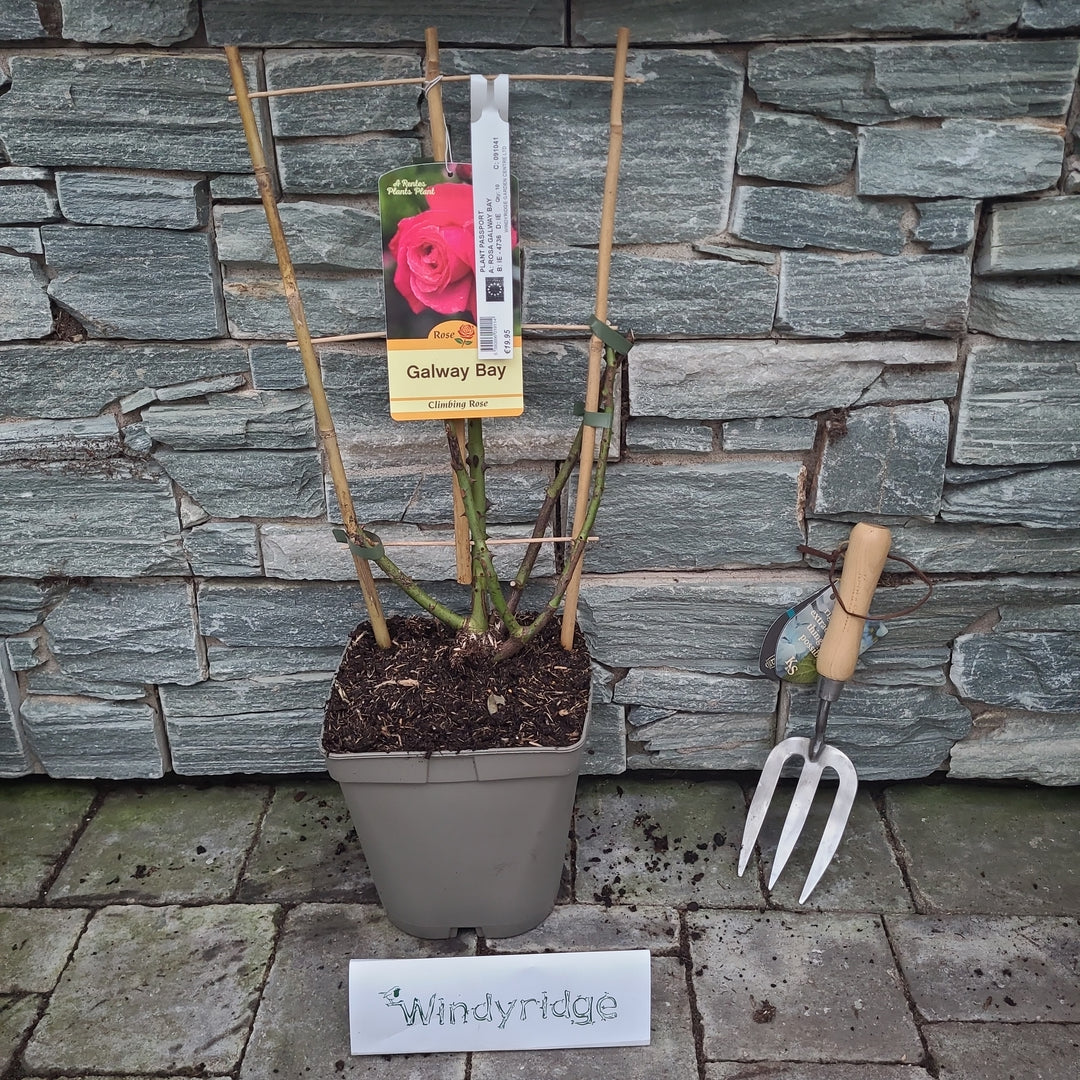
<point x="847" y="243"/>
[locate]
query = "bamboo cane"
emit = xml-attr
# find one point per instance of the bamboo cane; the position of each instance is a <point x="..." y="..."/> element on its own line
<point x="324" y="421"/>
<point x="596" y="348"/>
<point x="375" y="335"/>
<point x="437" y="122"/>
<point x="491" y="541"/>
<point x="367" y="84"/>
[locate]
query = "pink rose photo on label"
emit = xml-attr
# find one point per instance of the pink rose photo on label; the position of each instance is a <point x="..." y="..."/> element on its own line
<point x="434" y="253"/>
<point x="429" y="257"/>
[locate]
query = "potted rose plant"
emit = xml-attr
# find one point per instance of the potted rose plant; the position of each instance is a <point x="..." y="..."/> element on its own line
<point x="458" y="748"/>
<point x="457" y="735"/>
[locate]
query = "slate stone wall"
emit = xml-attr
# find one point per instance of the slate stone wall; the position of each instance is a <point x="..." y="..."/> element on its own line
<point x="848" y="242"/>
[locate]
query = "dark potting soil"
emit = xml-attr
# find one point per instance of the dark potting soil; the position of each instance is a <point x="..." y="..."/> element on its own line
<point x="422" y="694"/>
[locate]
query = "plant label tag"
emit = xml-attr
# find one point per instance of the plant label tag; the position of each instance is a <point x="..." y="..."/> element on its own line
<point x="429" y="288"/>
<point x="492" y="231"/>
<point x="789" y="651"/>
<point x="536" y="1001"/>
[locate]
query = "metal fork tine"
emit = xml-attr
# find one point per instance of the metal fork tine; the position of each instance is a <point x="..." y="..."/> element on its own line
<point x="799" y="808"/>
<point x="797" y="813"/>
<point x="759" y="805"/>
<point x="838" y="816"/>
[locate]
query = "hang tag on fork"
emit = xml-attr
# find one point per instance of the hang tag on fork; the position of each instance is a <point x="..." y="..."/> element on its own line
<point x="789" y="650"/>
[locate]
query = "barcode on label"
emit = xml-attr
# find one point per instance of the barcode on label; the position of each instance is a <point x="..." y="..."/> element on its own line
<point x="485" y="330"/>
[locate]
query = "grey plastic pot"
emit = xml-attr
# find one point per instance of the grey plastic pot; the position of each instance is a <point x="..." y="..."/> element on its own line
<point x="463" y="840"/>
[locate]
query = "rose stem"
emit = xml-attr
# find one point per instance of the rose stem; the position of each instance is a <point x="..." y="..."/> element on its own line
<point x="603" y="273"/>
<point x="486" y="592"/>
<point x="478" y="525"/>
<point x="437" y="125"/>
<point x="551" y="497"/>
<point x="312" y="372"/>
<point x="577" y="548"/>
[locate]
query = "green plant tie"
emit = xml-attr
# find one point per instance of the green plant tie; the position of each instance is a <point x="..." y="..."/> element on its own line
<point x="610" y="337"/>
<point x="375" y="551"/>
<point x="593" y="419"/>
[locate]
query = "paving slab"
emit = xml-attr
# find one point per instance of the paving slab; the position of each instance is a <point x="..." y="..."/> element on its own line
<point x="763" y="1070"/>
<point x="661" y="842"/>
<point x="154" y="990"/>
<point x="785" y="986"/>
<point x="669" y="1056"/>
<point x="17" y="1016"/>
<point x="40" y="820"/>
<point x="863" y="875"/>
<point x="163" y="844"/>
<point x="973" y="967"/>
<point x="578" y="927"/>
<point x="989" y="970"/>
<point x="979" y="848"/>
<point x="1003" y="1051"/>
<point x="35" y="944"/>
<point x="307" y="849"/>
<point x="302" y="1026"/>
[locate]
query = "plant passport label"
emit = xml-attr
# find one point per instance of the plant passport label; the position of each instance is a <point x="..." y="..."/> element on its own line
<point x="435" y="366"/>
<point x="492" y="227"/>
<point x="544" y="1001"/>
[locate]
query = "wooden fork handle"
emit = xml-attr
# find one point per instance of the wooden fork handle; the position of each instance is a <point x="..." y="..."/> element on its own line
<point x="864" y="559"/>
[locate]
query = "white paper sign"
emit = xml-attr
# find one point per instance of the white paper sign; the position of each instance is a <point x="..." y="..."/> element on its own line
<point x="521" y="1002"/>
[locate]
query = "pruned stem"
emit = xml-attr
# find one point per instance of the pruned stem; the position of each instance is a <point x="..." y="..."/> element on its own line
<point x="421" y="598"/>
<point x="515" y="643"/>
<point x="551" y="498"/>
<point x="477" y="500"/>
<point x="469" y="477"/>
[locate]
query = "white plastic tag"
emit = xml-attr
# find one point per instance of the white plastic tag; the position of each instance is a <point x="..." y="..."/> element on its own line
<point x="531" y="1001"/>
<point x="493" y="231"/>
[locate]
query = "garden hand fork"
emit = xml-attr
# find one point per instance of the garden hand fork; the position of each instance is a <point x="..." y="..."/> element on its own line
<point x="867" y="550"/>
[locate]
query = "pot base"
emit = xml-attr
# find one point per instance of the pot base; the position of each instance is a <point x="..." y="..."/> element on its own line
<point x="471" y="840"/>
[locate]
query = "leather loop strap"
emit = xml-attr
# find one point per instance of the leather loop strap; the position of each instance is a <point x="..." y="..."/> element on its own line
<point x="836" y="558"/>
